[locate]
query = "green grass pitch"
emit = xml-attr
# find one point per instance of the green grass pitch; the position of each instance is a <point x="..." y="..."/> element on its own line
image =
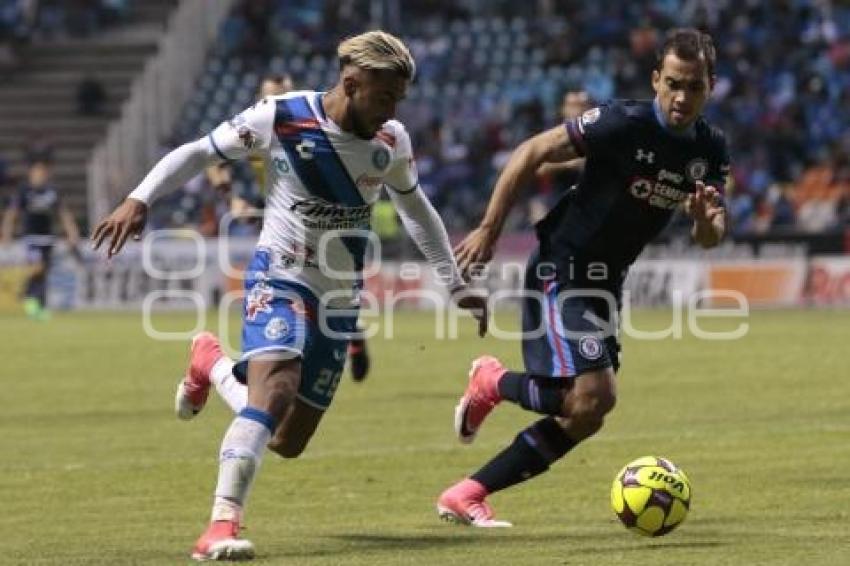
<point x="95" y="468"/>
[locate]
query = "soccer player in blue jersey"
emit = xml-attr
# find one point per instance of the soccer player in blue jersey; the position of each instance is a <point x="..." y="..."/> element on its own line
<point x="643" y="161"/>
<point x="37" y="202"/>
<point x="328" y="157"/>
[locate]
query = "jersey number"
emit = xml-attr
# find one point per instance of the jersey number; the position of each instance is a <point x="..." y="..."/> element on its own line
<point x="327" y="382"/>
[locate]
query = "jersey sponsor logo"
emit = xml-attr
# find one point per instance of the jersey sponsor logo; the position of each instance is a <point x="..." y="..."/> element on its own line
<point x="298" y="255"/>
<point x="696" y="169"/>
<point x="665" y="175"/>
<point x="320" y="214"/>
<point x="380" y="158"/>
<point x="367" y="182"/>
<point x="246" y="136"/>
<point x="276" y="328"/>
<point x="641" y="188"/>
<point x="259" y="300"/>
<point x="591" y="116"/>
<point x="643" y="155"/>
<point x="657" y="193"/>
<point x="590" y="347"/>
<point x="305" y="149"/>
<point x="295" y="126"/>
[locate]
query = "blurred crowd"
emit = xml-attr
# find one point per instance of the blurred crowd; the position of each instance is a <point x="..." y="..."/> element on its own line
<point x="22" y="21"/>
<point x="492" y="72"/>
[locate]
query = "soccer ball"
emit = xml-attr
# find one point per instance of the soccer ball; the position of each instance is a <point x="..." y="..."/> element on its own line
<point x="651" y="496"/>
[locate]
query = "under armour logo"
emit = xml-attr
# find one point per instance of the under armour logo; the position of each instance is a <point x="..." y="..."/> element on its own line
<point x="648" y="156"/>
<point x="305" y="149"/>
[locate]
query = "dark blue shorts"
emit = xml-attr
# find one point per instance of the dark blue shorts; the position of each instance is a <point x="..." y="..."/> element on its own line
<point x="285" y="318"/>
<point x="567" y="331"/>
<point x="39" y="253"/>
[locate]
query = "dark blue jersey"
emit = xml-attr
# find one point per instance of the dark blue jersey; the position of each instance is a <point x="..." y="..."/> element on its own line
<point x="38" y="207"/>
<point x="636" y="174"/>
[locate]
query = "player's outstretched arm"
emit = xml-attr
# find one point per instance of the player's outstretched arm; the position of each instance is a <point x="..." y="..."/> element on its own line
<point x="172" y="171"/>
<point x="706" y="208"/>
<point x="551" y="146"/>
<point x="7" y="230"/>
<point x="69" y="225"/>
<point x="425" y="227"/>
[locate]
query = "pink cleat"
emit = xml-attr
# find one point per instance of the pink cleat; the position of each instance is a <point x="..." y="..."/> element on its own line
<point x="480" y="397"/>
<point x="464" y="504"/>
<point x="192" y="391"/>
<point x="221" y="542"/>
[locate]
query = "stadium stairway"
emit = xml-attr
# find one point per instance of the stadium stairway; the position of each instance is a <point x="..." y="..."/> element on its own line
<point x="40" y="97"/>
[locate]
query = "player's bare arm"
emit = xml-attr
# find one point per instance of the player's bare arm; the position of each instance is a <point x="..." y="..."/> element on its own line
<point x="69" y="224"/>
<point x="172" y="171"/>
<point x="706" y="209"/>
<point x="555" y="168"/>
<point x="7" y="230"/>
<point x="551" y="146"/>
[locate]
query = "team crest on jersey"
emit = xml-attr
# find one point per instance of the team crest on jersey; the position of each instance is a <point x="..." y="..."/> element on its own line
<point x="696" y="169"/>
<point x="276" y="328"/>
<point x="259" y="300"/>
<point x="590" y="347"/>
<point x="381" y="158"/>
<point x="591" y="116"/>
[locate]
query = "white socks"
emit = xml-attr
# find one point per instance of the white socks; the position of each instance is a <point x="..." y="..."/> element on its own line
<point x="241" y="453"/>
<point x="234" y="393"/>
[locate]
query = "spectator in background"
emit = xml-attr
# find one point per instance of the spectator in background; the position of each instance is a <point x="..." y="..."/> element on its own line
<point x="561" y="176"/>
<point x="81" y="17"/>
<point x="783" y="90"/>
<point x="37" y="202"/>
<point x="784" y="216"/>
<point x="246" y="207"/>
<point x="565" y="175"/>
<point x="112" y="11"/>
<point x="4" y="175"/>
<point x="257" y="40"/>
<point x="91" y="97"/>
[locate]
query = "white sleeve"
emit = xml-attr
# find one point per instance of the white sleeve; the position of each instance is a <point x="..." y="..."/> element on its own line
<point x="247" y="132"/>
<point x="402" y="176"/>
<point x="175" y="170"/>
<point x="426" y="228"/>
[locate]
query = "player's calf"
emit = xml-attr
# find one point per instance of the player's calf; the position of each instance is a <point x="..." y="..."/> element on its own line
<point x="296" y="430"/>
<point x="585" y="406"/>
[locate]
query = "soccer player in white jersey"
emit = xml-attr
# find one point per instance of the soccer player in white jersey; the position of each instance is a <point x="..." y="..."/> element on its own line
<point x="328" y="155"/>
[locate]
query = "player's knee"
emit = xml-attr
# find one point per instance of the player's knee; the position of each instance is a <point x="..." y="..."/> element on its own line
<point x="589" y="410"/>
<point x="280" y="390"/>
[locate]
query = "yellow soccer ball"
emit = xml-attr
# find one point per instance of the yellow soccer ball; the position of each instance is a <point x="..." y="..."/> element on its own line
<point x="651" y="496"/>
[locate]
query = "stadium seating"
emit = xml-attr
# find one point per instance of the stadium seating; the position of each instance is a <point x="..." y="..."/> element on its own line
<point x="38" y="99"/>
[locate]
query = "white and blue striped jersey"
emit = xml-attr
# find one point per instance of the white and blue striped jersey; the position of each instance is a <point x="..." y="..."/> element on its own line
<point x="320" y="181"/>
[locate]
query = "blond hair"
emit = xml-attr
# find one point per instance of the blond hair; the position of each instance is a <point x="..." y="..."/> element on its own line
<point x="377" y="50"/>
